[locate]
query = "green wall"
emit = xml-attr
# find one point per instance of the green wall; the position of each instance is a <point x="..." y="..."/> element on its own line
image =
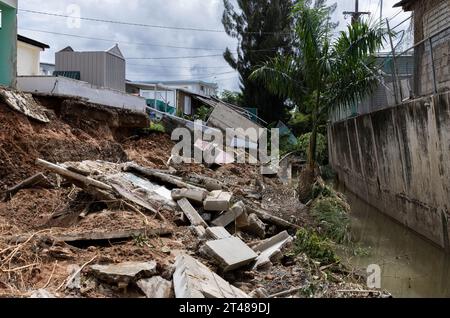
<point x="8" y="45"/>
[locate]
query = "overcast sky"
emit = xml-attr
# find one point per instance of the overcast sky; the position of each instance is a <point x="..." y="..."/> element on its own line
<point x="145" y="42"/>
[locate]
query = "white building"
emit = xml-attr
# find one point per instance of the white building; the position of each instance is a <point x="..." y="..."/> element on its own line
<point x="197" y="87"/>
<point x="29" y="56"/>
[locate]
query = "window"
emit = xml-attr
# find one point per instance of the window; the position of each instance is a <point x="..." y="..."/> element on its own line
<point x="187" y="105"/>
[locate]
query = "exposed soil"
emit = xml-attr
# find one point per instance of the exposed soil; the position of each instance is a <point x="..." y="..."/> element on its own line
<point x="43" y="263"/>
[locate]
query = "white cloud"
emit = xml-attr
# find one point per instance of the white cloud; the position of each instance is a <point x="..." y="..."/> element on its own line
<point x="181" y="13"/>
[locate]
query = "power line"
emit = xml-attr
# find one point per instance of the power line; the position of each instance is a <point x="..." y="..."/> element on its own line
<point x="174" y="57"/>
<point x="146" y="44"/>
<point x="178" y="67"/>
<point x="140" y="24"/>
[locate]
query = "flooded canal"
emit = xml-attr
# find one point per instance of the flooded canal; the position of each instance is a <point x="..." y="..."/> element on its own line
<point x="411" y="266"/>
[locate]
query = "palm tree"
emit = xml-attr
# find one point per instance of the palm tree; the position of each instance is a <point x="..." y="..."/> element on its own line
<point x="333" y="72"/>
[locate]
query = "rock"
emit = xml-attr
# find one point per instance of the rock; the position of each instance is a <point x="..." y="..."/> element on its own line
<point x="156" y="287"/>
<point x="217" y="233"/>
<point x="230" y="216"/>
<point x="217" y="201"/>
<point x="124" y="273"/>
<point x="42" y="293"/>
<point x="230" y="253"/>
<point x="196" y="195"/>
<point x="255" y="226"/>
<point x="192" y="279"/>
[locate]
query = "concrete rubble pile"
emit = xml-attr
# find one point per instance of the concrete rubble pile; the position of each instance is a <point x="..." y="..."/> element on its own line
<point x="134" y="225"/>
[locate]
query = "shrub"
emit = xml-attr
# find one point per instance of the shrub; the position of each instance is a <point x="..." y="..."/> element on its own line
<point x="156" y="127"/>
<point x="315" y="247"/>
<point x="322" y="149"/>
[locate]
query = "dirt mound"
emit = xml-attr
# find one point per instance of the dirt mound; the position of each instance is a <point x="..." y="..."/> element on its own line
<point x="23" y="140"/>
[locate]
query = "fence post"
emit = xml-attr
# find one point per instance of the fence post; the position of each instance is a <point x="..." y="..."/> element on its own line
<point x="397" y="89"/>
<point x="433" y="66"/>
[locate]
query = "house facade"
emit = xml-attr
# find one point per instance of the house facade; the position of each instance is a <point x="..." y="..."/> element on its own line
<point x="197" y="87"/>
<point x="29" y="56"/>
<point x="8" y="40"/>
<point x="102" y="68"/>
<point x="432" y="39"/>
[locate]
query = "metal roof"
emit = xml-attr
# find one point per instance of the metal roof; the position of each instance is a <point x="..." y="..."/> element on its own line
<point x="24" y="39"/>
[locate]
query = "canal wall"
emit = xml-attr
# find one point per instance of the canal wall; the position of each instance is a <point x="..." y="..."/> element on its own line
<point x="398" y="160"/>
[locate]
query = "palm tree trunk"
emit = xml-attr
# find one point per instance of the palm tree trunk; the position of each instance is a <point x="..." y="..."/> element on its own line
<point x="312" y="152"/>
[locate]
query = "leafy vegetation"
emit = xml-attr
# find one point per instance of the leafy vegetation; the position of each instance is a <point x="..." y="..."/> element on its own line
<point x="235" y="98"/>
<point x="202" y="113"/>
<point x="156" y="127"/>
<point x="315" y="247"/>
<point x="321" y="148"/>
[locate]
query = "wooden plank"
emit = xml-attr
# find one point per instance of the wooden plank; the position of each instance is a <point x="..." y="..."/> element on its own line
<point x="95" y="236"/>
<point x="191" y="213"/>
<point x="72" y="175"/>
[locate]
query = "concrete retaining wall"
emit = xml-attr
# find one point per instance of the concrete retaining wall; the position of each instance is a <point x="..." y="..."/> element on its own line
<point x="398" y="160"/>
<point x="70" y="87"/>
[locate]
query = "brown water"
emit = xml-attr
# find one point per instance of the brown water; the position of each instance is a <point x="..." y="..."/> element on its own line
<point x="411" y="266"/>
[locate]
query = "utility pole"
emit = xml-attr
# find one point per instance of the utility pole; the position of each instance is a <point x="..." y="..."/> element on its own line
<point x="381" y="12"/>
<point x="356" y="14"/>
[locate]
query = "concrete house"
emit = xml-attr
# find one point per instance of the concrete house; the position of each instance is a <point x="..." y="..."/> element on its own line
<point x="8" y="40"/>
<point x="102" y="68"/>
<point x="197" y="87"/>
<point x="29" y="56"/>
<point x="432" y="38"/>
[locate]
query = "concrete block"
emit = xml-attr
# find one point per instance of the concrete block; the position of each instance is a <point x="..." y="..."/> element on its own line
<point x="198" y="230"/>
<point x="230" y="216"/>
<point x="217" y="233"/>
<point x="124" y="273"/>
<point x="156" y="287"/>
<point x="255" y="226"/>
<point x="230" y="253"/>
<point x="196" y="195"/>
<point x="192" y="279"/>
<point x="217" y="201"/>
<point x="191" y="213"/>
<point x="271" y="250"/>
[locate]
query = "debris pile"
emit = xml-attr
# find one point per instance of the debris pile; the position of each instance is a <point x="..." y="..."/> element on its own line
<point x="87" y="224"/>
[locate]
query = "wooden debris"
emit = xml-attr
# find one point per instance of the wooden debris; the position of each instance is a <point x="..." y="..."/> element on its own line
<point x="94" y="236"/>
<point x="268" y="218"/>
<point x="72" y="175"/>
<point x="191" y="213"/>
<point x="192" y="279"/>
<point x="160" y="176"/>
<point x="38" y="180"/>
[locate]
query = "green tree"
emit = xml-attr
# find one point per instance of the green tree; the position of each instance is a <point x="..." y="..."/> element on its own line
<point x="324" y="71"/>
<point x="235" y="98"/>
<point x="263" y="29"/>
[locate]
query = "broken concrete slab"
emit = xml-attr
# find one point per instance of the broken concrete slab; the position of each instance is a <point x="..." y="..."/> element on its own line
<point x="25" y="104"/>
<point x="217" y="201"/>
<point x="192" y="279"/>
<point x="198" y="230"/>
<point x="191" y="213"/>
<point x="124" y="273"/>
<point x="42" y="293"/>
<point x="271" y="250"/>
<point x="74" y="274"/>
<point x="197" y="195"/>
<point x="156" y="287"/>
<point x="255" y="226"/>
<point x="230" y="216"/>
<point x="230" y="253"/>
<point x="217" y="233"/>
